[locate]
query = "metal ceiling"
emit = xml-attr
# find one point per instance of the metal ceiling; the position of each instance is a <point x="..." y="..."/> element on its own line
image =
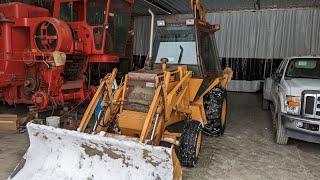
<point x="183" y="6"/>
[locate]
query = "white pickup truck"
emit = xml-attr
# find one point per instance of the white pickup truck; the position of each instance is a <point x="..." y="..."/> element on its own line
<point x="294" y="91"/>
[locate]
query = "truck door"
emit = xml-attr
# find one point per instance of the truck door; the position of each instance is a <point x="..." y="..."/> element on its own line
<point x="269" y="84"/>
<point x="276" y="79"/>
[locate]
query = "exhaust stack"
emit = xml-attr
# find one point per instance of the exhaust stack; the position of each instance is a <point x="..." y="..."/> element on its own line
<point x="149" y="58"/>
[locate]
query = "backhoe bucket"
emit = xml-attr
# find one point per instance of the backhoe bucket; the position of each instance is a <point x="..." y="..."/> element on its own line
<point x="62" y="154"/>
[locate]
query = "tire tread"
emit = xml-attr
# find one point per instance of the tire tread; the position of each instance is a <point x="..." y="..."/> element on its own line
<point x="188" y="143"/>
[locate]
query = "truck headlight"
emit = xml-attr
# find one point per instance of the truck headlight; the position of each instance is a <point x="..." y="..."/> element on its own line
<point x="293" y="105"/>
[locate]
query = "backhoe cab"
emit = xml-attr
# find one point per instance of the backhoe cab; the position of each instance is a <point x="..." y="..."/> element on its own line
<point x="190" y="42"/>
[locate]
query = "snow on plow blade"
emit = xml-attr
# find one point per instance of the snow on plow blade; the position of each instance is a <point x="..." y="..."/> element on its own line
<point x="63" y="154"/>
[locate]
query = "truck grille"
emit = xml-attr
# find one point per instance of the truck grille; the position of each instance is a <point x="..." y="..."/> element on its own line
<point x="311" y="104"/>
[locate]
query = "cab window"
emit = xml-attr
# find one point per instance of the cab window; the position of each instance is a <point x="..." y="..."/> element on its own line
<point x="209" y="54"/>
<point x="118" y="25"/>
<point x="71" y="11"/>
<point x="96" y="12"/>
<point x="177" y="43"/>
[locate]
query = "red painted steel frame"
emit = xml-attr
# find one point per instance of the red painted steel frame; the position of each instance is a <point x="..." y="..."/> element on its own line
<point x="29" y="36"/>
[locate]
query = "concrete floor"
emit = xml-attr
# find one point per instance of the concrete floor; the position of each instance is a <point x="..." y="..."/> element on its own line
<point x="246" y="151"/>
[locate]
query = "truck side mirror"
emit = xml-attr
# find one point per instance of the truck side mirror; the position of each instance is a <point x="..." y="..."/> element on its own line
<point x="277" y="77"/>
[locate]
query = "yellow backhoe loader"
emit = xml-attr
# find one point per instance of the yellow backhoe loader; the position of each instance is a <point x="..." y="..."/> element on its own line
<point x="136" y="132"/>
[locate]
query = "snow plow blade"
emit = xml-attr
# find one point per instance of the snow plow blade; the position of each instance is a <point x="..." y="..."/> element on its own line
<point x="62" y="154"/>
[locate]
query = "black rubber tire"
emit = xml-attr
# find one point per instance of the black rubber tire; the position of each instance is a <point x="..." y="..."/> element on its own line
<point x="280" y="131"/>
<point x="265" y="104"/>
<point x="211" y="128"/>
<point x="219" y="131"/>
<point x="187" y="150"/>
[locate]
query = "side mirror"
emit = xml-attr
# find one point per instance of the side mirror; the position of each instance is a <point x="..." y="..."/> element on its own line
<point x="277" y="77"/>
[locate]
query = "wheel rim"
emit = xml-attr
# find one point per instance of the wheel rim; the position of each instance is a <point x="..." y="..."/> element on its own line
<point x="224" y="112"/>
<point x="199" y="139"/>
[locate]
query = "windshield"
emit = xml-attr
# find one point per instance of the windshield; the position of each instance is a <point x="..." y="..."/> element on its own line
<point x="178" y="52"/>
<point x="177" y="43"/>
<point x="96" y="12"/>
<point x="304" y="68"/>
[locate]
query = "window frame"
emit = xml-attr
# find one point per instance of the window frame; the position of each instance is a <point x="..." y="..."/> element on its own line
<point x="211" y="32"/>
<point x="106" y="15"/>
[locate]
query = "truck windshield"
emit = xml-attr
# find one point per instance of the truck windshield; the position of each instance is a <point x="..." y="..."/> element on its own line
<point x="177" y="43"/>
<point x="304" y="68"/>
<point x="96" y="12"/>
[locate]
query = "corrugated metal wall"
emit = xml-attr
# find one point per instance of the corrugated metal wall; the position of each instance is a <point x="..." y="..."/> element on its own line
<point x="268" y="34"/>
<point x="264" y="34"/>
<point x="183" y="6"/>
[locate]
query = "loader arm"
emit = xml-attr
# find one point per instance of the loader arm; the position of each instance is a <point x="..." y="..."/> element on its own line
<point x="112" y="109"/>
<point x="89" y="111"/>
<point x="105" y="90"/>
<point x="151" y="113"/>
<point x="227" y="76"/>
<point x="166" y="100"/>
<point x="223" y="81"/>
<point x="176" y="95"/>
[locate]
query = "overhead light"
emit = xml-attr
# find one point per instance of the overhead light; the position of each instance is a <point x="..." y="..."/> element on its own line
<point x="190" y="22"/>
<point x="161" y="23"/>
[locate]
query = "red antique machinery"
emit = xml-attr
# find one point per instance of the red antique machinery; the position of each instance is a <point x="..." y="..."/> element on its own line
<point x="44" y="57"/>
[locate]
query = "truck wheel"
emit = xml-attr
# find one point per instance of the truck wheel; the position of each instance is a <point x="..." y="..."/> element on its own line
<point x="190" y="143"/>
<point x="265" y="104"/>
<point x="280" y="136"/>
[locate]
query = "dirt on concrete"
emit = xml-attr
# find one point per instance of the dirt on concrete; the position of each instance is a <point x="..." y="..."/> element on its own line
<point x="246" y="151"/>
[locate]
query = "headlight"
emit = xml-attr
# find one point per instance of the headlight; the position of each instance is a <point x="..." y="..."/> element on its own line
<point x="293" y="105"/>
<point x="161" y="23"/>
